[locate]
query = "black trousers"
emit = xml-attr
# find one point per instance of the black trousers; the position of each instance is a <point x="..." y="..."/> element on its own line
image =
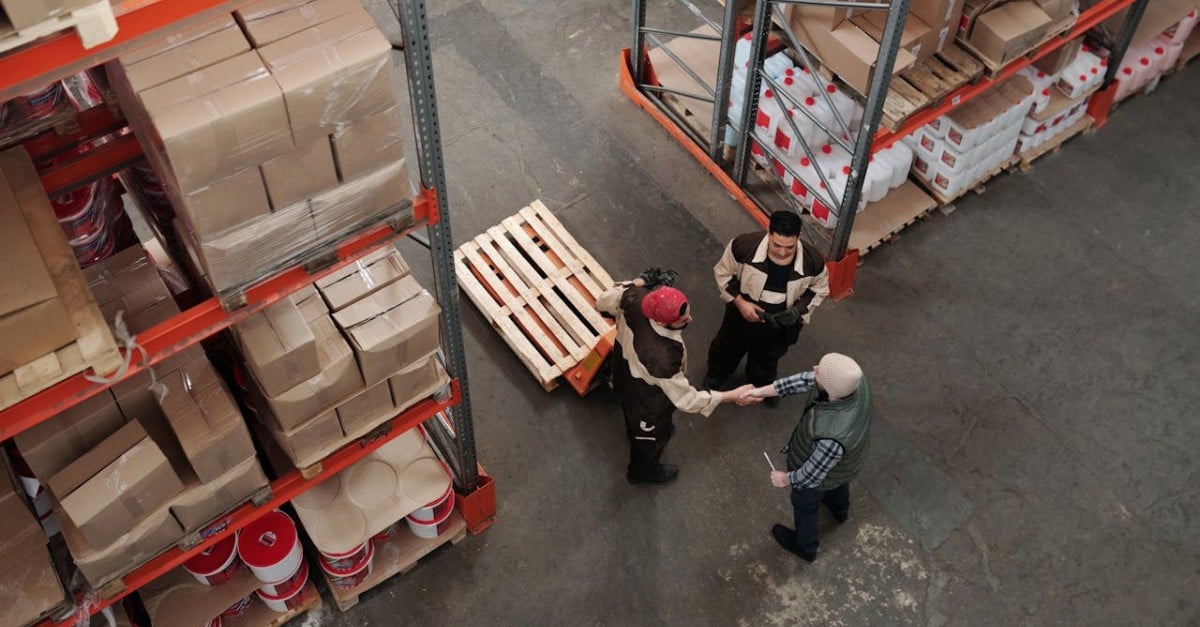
<point x="761" y="344"/>
<point x="648" y="436"/>
<point x="806" y="502"/>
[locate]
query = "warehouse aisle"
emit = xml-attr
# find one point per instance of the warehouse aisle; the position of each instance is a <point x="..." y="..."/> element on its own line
<point x="1032" y="355"/>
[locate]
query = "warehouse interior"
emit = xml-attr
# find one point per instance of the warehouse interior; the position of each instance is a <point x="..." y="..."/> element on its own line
<point x="1031" y="351"/>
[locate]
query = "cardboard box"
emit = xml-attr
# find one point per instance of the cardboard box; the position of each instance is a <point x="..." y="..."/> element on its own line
<point x="279" y="347"/>
<point x="914" y="38"/>
<point x="338" y="379"/>
<point x="363" y="201"/>
<point x="49" y="446"/>
<point x="268" y="21"/>
<point x="300" y="174"/>
<point x="106" y="491"/>
<point x="1158" y="16"/>
<point x="336" y="521"/>
<point x="936" y="12"/>
<point x="225" y="203"/>
<point x="25" y="13"/>
<point x="29" y="585"/>
<point x="156" y="531"/>
<point x="310" y="303"/>
<point x="365" y="143"/>
<point x="332" y="74"/>
<point x="206" y="420"/>
<point x="177" y="39"/>
<point x="259" y="247"/>
<point x="309" y="442"/>
<point x="417" y="382"/>
<point x="33" y="319"/>
<point x="845" y="49"/>
<point x="1054" y="62"/>
<point x="201" y="503"/>
<point x="391" y="329"/>
<point x="123" y="273"/>
<point x="134" y="396"/>
<point x="365" y="410"/>
<point x="1009" y="30"/>
<point x="218" y="120"/>
<point x="212" y="42"/>
<point x="362" y="278"/>
<point x="1057" y="9"/>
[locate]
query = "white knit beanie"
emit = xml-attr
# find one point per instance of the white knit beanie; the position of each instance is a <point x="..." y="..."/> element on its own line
<point x="838" y="375"/>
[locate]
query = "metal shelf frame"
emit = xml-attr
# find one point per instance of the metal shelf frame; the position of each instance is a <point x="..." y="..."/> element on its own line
<point x="56" y="57"/>
<point x="638" y="83"/>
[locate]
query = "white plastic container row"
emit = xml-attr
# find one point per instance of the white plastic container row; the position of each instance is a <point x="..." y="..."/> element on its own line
<point x="1147" y="62"/>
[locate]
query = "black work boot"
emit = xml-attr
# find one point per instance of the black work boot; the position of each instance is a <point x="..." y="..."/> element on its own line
<point x="787" y="539"/>
<point x="663" y="474"/>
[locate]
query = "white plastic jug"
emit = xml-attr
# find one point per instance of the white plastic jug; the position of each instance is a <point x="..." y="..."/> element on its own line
<point x="797" y="89"/>
<point x="776" y="64"/>
<point x="785" y="138"/>
<point x="878" y="179"/>
<point x="741" y="51"/>
<point x="817" y="109"/>
<point x="769" y="114"/>
<point x="901" y="158"/>
<point x="831" y="158"/>
<point x="844" y="105"/>
<point x="1181" y="31"/>
<point x="838" y="182"/>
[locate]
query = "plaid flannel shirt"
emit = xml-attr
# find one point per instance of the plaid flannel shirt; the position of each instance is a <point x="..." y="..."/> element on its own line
<point x="826" y="453"/>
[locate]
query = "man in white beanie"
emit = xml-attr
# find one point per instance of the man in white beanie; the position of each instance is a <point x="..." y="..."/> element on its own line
<point x="828" y="447"/>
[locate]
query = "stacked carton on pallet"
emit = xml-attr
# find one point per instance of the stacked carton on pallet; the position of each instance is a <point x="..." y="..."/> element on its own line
<point x="275" y="131"/>
<point x="181" y="450"/>
<point x="331" y="363"/>
<point x="29" y="585"/>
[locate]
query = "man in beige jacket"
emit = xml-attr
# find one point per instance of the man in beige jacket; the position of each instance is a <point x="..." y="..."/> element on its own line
<point x="771" y="283"/>
<point x="649" y="363"/>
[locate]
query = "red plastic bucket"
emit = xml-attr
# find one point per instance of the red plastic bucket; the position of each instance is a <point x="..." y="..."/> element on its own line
<point x="216" y="564"/>
<point x="350" y="579"/>
<point x="287" y="587"/>
<point x="216" y="622"/>
<point x="430" y="528"/>
<point x="283" y="603"/>
<point x="270" y="546"/>
<point x="349" y="560"/>
<point x="77" y="212"/>
<point x="437" y="507"/>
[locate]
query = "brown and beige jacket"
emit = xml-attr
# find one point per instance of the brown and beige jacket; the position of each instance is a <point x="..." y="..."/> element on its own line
<point x="742" y="270"/>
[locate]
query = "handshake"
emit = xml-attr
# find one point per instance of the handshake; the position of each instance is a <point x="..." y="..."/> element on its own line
<point x="746" y="395"/>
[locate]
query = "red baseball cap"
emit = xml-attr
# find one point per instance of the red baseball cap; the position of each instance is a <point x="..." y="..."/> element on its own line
<point x="664" y="305"/>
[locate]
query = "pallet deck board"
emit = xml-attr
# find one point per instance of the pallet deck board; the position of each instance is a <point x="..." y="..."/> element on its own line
<point x="944" y="200"/>
<point x="397" y="556"/>
<point x="259" y="615"/>
<point x="927" y="82"/>
<point x="94" y="23"/>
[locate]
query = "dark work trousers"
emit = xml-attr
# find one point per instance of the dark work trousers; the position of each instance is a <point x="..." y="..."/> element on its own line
<point x="805" y="502"/>
<point x="761" y="344"/>
<point x="649" y="418"/>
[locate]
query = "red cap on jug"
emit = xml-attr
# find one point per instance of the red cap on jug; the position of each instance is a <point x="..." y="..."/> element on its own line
<point x="827" y="149"/>
<point x="805" y="162"/>
<point x="1127" y="71"/>
<point x="769" y="94"/>
<point x="846" y="170"/>
<point x="831" y="89"/>
<point x="809" y="101"/>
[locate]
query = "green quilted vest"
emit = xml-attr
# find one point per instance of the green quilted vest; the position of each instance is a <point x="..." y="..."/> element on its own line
<point x="846" y="421"/>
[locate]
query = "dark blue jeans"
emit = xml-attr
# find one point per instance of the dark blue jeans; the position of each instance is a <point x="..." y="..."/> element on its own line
<point x="805" y="503"/>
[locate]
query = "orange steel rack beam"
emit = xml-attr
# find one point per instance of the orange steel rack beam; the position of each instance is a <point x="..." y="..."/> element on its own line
<point x="60" y="55"/>
<point x="1088" y="20"/>
<point x="283" y="489"/>
<point x="202" y="321"/>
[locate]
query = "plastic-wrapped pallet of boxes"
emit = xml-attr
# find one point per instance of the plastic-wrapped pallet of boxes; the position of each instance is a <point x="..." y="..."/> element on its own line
<point x="329" y="364"/>
<point x="183" y="458"/>
<point x="275" y="130"/>
<point x="957" y="150"/>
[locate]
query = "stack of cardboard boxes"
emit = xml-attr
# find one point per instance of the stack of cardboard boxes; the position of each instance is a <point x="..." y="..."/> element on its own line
<point x="133" y="469"/>
<point x="999" y="31"/>
<point x="275" y="130"/>
<point x="962" y="147"/>
<point x="29" y="585"/>
<point x="847" y="40"/>
<point x="329" y="364"/>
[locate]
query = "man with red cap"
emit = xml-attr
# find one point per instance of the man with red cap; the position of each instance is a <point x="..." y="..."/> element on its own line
<point x="648" y="364"/>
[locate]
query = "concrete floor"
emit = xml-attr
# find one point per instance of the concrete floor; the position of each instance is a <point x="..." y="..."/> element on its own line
<point x="1033" y="356"/>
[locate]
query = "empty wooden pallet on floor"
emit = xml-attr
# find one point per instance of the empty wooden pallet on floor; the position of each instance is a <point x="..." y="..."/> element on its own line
<point x="538" y="287"/>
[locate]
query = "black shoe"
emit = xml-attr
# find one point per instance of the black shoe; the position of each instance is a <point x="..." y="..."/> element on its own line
<point x="841" y="517"/>
<point x="665" y="473"/>
<point x="718" y="384"/>
<point x="771" y="401"/>
<point x="787" y="539"/>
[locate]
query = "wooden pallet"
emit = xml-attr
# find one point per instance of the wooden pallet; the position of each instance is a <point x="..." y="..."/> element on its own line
<point x="1054" y="143"/>
<point x="193" y="538"/>
<point x="538" y="287"/>
<point x="397" y="556"/>
<point x="94" y="347"/>
<point x="927" y="82"/>
<point x="946" y="203"/>
<point x="994" y="68"/>
<point x="94" y="23"/>
<point x="259" y="615"/>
